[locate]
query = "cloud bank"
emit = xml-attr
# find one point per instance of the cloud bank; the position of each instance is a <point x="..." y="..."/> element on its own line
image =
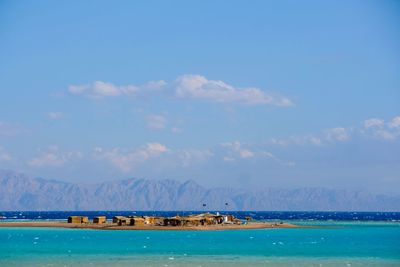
<point x="128" y="160"/>
<point x="54" y="157"/>
<point x="199" y="87"/>
<point x="380" y="129"/>
<point x="373" y="128"/>
<point x="100" y="89"/>
<point x="188" y="86"/>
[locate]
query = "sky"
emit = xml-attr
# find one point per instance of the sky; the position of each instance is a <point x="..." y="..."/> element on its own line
<point x="226" y="93"/>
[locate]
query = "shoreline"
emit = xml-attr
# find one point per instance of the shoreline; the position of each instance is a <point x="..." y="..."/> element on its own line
<point x="112" y="226"/>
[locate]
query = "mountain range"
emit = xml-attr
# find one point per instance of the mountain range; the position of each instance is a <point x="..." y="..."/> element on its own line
<point x="20" y="192"/>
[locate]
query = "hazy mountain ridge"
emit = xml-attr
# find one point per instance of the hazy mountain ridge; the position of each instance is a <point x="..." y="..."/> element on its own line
<point x="20" y="192"/>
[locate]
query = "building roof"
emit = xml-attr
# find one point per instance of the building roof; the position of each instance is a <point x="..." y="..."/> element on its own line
<point x="120" y="217"/>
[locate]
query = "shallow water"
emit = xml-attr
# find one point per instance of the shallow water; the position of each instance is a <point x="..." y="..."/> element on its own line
<point x="352" y="243"/>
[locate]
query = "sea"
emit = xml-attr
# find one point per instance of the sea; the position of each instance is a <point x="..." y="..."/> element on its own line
<point x="340" y="239"/>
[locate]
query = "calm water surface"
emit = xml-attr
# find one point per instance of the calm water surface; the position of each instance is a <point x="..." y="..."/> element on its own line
<point x="337" y="243"/>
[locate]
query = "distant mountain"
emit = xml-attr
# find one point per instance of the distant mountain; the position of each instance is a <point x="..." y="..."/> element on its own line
<point x="20" y="192"/>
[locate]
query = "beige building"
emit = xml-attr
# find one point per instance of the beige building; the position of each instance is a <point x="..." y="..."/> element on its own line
<point x="78" y="219"/>
<point x="153" y="220"/>
<point x="100" y="219"/>
<point x="120" y="220"/>
<point x="137" y="221"/>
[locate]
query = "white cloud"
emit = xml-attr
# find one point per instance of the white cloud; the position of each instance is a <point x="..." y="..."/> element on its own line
<point x="280" y="142"/>
<point x="331" y="135"/>
<point x="300" y="140"/>
<point x="377" y="128"/>
<point x="99" y="89"/>
<point x="55" y="115"/>
<point x="190" y="156"/>
<point x="374" y="123"/>
<point x="267" y="154"/>
<point x="154" y="85"/>
<point x="236" y="150"/>
<point x="186" y="86"/>
<point x="395" y="123"/>
<point x="8" y="129"/>
<point x="156" y="122"/>
<point x="382" y="134"/>
<point x="338" y="134"/>
<point x="245" y="153"/>
<point x="53" y="157"/>
<point x="371" y="128"/>
<point x="156" y="148"/>
<point x="316" y="141"/>
<point x="228" y="159"/>
<point x="4" y="156"/>
<point x="199" y="87"/>
<point x="127" y="161"/>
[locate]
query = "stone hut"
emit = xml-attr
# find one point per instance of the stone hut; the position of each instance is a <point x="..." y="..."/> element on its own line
<point x="193" y="221"/>
<point x="174" y="221"/>
<point x="100" y="219"/>
<point x="137" y="221"/>
<point x="78" y="219"/>
<point x="120" y="220"/>
<point x="153" y="220"/>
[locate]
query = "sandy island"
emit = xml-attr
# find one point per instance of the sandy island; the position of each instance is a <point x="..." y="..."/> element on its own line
<point x="113" y="226"/>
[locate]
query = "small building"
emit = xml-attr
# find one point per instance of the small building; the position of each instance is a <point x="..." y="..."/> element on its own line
<point x="228" y="219"/>
<point x="174" y="221"/>
<point x="120" y="220"/>
<point x="193" y="221"/>
<point x="78" y="219"/>
<point x="100" y="219"/>
<point x="137" y="221"/>
<point x="206" y="219"/>
<point x="153" y="220"/>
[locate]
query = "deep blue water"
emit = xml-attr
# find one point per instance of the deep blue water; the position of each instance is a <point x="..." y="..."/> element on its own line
<point x="257" y="215"/>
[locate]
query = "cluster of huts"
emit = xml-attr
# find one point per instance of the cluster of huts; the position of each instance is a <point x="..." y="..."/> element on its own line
<point x="85" y="219"/>
<point x="189" y="220"/>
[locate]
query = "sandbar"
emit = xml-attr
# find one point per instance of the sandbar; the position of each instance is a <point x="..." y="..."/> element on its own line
<point x="113" y="226"/>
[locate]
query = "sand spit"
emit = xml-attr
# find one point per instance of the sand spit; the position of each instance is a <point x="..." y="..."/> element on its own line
<point x="112" y="226"/>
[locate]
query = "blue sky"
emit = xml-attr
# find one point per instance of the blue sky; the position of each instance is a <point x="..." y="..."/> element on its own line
<point x="238" y="93"/>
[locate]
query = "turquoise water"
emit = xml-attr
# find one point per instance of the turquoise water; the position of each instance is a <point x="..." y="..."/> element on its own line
<point x="340" y="244"/>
